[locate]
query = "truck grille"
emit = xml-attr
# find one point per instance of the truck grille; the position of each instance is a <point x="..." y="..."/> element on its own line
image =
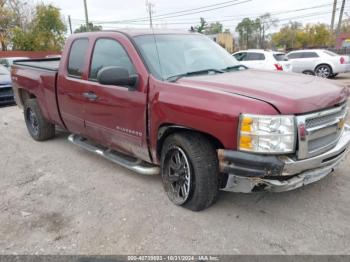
<point x="318" y="132"/>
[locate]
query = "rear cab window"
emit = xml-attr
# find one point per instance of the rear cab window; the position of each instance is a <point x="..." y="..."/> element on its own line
<point x="77" y="56"/>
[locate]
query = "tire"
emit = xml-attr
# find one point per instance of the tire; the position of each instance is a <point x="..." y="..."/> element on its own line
<point x="38" y="127"/>
<point x="190" y="170"/>
<point x="324" y="71"/>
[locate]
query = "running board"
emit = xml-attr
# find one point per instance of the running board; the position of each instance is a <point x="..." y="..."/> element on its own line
<point x="128" y="162"/>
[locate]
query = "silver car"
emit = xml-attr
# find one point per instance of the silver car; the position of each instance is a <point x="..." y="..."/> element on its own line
<point x="319" y="62"/>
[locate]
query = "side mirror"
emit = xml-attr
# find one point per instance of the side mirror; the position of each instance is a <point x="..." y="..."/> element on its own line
<point x="115" y="75"/>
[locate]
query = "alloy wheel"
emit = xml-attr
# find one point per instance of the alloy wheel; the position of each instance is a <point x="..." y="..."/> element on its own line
<point x="177" y="175"/>
<point x="32" y="121"/>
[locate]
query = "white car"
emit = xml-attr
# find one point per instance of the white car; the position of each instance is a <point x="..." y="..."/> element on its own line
<point x="319" y="62"/>
<point x="8" y="61"/>
<point x="264" y="59"/>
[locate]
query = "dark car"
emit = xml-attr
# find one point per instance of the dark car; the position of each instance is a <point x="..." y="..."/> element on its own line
<point x="6" y="93"/>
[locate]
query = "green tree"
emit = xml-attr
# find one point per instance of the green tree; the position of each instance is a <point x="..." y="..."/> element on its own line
<point x="319" y="35"/>
<point x="248" y="33"/>
<point x="45" y="33"/>
<point x="214" y="28"/>
<point x="264" y="23"/>
<point x="294" y="36"/>
<point x="202" y="26"/>
<point x="7" y="22"/>
<point x="92" y="28"/>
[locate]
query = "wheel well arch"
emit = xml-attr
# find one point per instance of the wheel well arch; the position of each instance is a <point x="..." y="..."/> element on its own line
<point x="24" y="95"/>
<point x="166" y="130"/>
<point x="326" y="64"/>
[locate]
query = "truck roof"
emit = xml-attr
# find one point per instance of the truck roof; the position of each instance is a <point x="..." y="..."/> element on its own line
<point x="138" y="32"/>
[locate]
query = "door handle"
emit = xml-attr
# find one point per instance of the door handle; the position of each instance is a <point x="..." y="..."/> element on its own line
<point x="90" y="96"/>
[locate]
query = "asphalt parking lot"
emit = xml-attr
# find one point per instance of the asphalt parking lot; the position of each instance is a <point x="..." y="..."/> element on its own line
<point x="56" y="198"/>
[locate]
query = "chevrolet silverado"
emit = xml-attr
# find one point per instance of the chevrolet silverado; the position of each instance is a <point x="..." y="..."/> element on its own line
<point x="178" y="105"/>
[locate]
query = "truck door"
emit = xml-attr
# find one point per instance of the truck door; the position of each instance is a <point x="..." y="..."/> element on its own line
<point x="116" y="116"/>
<point x="71" y="86"/>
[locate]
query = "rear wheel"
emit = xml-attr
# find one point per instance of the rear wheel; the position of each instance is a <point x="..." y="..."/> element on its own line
<point x="324" y="71"/>
<point x="38" y="127"/>
<point x="189" y="167"/>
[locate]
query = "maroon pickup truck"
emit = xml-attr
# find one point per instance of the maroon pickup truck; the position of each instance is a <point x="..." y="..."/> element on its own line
<point x="179" y="105"/>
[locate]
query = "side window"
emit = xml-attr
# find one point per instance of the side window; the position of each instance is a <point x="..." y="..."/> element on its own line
<point x="254" y="57"/>
<point x="240" y="56"/>
<point x="108" y="52"/>
<point x="310" y="55"/>
<point x="295" y="55"/>
<point x="77" y="56"/>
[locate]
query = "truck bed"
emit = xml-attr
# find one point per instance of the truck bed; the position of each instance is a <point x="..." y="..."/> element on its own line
<point x="50" y="64"/>
<point x="39" y="77"/>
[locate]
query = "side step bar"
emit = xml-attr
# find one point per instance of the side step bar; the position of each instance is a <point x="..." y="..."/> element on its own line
<point x="128" y="162"/>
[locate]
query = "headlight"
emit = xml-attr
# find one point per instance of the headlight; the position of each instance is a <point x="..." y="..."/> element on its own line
<point x="267" y="134"/>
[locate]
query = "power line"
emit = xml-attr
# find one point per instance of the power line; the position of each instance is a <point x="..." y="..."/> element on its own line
<point x="235" y="18"/>
<point x="235" y="2"/>
<point x="227" y="20"/>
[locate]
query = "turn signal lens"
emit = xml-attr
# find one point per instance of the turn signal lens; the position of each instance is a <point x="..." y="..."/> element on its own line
<point x="246" y="142"/>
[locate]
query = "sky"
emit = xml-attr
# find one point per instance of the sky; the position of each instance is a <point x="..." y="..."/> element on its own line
<point x="110" y="13"/>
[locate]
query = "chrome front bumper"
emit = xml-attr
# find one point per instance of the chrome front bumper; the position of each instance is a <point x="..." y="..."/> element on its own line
<point x="295" y="173"/>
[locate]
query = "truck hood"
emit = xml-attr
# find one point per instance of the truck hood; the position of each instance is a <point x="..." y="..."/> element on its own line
<point x="288" y="92"/>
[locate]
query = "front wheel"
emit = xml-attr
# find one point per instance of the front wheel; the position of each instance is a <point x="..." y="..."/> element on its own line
<point x="324" y="71"/>
<point x="190" y="170"/>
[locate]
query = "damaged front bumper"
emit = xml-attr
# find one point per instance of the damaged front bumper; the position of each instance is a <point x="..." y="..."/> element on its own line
<point x="252" y="173"/>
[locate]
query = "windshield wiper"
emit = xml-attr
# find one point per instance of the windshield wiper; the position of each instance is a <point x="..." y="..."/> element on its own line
<point x="199" y="72"/>
<point x="236" y="67"/>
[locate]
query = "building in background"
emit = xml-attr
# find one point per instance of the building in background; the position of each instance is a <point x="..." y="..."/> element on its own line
<point x="225" y="39"/>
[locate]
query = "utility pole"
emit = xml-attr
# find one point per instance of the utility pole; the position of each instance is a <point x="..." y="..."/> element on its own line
<point x="150" y="6"/>
<point x="86" y="16"/>
<point x="333" y="14"/>
<point x="70" y="25"/>
<point x="341" y="16"/>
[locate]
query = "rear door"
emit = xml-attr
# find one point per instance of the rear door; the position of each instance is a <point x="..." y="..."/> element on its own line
<point x="310" y="60"/>
<point x="117" y="116"/>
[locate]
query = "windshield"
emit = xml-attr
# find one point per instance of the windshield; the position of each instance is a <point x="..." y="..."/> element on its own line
<point x="177" y="54"/>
